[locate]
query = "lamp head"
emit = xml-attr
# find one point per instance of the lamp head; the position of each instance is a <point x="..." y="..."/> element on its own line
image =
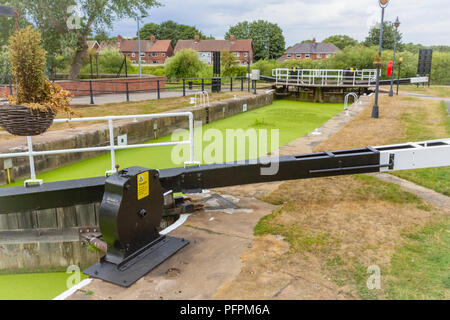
<point x="383" y="3"/>
<point x="400" y="59"/>
<point x="397" y="23"/>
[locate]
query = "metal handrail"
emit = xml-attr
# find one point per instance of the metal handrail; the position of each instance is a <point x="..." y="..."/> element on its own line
<point x="203" y="97"/>
<point x="112" y="146"/>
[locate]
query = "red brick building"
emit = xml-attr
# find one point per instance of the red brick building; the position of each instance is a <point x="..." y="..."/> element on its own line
<point x="153" y="51"/>
<point x="313" y="50"/>
<point x="242" y="49"/>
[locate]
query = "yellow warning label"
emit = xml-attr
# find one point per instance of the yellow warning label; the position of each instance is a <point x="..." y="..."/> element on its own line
<point x="143" y="185"/>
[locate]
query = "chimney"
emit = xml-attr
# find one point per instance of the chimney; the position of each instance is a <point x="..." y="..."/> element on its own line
<point x="314" y="40"/>
<point x="197" y="38"/>
<point x="119" y="39"/>
<point x="232" y="37"/>
<point x="152" y="37"/>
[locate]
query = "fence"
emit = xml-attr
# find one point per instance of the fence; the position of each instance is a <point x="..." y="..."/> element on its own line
<point x="112" y="146"/>
<point x="325" y="77"/>
<point x="158" y="86"/>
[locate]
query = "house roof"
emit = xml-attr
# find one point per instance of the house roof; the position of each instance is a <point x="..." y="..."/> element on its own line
<point x="92" y="43"/>
<point x="313" y="47"/>
<point x="215" y="45"/>
<point x="146" y="45"/>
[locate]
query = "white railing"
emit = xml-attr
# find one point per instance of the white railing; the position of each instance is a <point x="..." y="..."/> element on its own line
<point x="112" y="146"/>
<point x="325" y="77"/>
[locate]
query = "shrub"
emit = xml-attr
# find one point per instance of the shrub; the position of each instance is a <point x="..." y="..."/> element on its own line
<point x="185" y="64"/>
<point x="265" y="66"/>
<point x="27" y="60"/>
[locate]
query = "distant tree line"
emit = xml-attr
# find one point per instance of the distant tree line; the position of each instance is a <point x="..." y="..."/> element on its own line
<point x="171" y="30"/>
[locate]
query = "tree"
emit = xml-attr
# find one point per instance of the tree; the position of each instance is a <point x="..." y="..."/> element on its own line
<point x="185" y="64"/>
<point x="171" y="30"/>
<point x="101" y="36"/>
<point x="149" y="29"/>
<point x="63" y="27"/>
<point x="341" y="41"/>
<point x="373" y="38"/>
<point x="268" y="39"/>
<point x="229" y="63"/>
<point x="7" y="24"/>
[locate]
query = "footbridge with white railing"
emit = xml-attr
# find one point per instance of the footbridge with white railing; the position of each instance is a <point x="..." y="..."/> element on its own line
<point x="325" y="77"/>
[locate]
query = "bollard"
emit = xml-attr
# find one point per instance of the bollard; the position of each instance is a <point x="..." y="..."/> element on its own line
<point x="128" y="92"/>
<point x="231" y="84"/>
<point x="91" y="92"/>
<point x="184" y="88"/>
<point x="158" y="89"/>
<point x="203" y="84"/>
<point x="254" y="87"/>
<point x="242" y="84"/>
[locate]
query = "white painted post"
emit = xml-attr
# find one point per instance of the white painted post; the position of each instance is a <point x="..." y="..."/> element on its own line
<point x="31" y="158"/>
<point x="111" y="143"/>
<point x="32" y="168"/>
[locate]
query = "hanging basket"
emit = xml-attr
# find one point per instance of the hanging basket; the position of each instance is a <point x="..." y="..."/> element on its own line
<point x="22" y="121"/>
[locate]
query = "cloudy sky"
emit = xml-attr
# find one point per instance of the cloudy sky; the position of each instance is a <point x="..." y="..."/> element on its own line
<point x="423" y="21"/>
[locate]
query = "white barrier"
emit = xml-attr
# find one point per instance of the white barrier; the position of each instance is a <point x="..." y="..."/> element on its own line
<point x="112" y="146"/>
<point x="325" y="77"/>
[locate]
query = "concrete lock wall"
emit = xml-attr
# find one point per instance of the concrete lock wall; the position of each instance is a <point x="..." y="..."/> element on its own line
<point x="49" y="239"/>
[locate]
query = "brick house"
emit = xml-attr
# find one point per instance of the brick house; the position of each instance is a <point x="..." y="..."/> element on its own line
<point x="314" y="50"/>
<point x="242" y="49"/>
<point x="153" y="51"/>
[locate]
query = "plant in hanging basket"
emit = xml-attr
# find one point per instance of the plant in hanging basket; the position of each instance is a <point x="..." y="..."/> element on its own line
<point x="36" y="101"/>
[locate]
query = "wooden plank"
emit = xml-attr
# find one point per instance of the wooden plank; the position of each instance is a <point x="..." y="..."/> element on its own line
<point x="46" y="219"/>
<point x="67" y="217"/>
<point x="27" y="220"/>
<point x="97" y="213"/>
<point x="9" y="221"/>
<point x="86" y="215"/>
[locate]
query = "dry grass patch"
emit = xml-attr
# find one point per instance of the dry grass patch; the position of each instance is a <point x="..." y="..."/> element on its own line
<point x="320" y="242"/>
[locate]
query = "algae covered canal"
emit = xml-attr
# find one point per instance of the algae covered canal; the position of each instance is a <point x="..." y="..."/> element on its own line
<point x="293" y="120"/>
<point x="34" y="286"/>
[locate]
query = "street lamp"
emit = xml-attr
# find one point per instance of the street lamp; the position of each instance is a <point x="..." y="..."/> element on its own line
<point x="400" y="61"/>
<point x="396" y="24"/>
<point x="375" y="110"/>
<point x="139" y="44"/>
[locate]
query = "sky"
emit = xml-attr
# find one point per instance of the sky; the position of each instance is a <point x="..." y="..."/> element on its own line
<point x="423" y="21"/>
